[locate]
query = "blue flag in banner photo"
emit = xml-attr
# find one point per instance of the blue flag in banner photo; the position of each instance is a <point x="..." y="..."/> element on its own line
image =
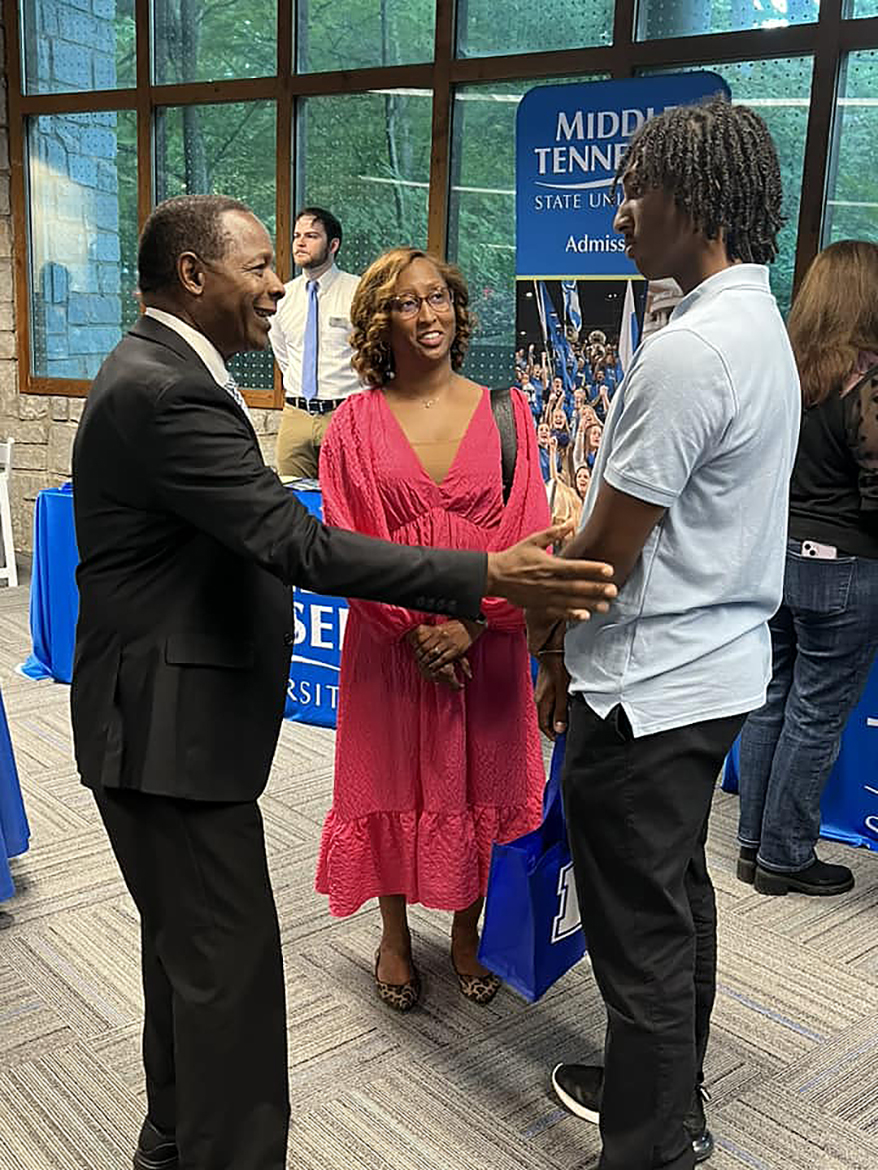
<point x="572" y="310"/>
<point x="556" y="340"/>
<point x="629" y="329"/>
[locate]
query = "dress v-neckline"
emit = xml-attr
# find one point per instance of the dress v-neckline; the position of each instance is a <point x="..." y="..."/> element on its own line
<point x="417" y="459"/>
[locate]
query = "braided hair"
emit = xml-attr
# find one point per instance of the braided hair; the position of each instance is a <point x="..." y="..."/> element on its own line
<point x="719" y="163"/>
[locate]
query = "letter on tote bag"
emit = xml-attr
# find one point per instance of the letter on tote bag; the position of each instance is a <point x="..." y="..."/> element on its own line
<point x="532" y="934"/>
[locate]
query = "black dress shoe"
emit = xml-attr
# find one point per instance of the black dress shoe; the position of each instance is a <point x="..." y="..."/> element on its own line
<point x="817" y="879"/>
<point x="747" y="863"/>
<point x="155" y="1150"/>
<point x="579" y="1088"/>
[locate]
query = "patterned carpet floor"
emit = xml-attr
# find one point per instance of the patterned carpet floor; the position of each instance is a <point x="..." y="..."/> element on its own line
<point x="792" y="1067"/>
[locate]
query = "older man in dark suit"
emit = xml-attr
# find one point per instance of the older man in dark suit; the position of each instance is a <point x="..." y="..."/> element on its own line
<point x="188" y="544"/>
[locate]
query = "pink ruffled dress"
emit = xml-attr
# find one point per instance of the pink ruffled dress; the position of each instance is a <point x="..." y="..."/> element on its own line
<point x="427" y="778"/>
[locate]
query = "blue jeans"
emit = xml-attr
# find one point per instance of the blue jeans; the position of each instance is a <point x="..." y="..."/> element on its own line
<point x="823" y="640"/>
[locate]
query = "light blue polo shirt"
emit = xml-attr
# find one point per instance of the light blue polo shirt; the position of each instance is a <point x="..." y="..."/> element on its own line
<point x="705" y="424"/>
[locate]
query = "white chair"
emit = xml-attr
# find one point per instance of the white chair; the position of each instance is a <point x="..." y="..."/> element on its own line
<point x="9" y="572"/>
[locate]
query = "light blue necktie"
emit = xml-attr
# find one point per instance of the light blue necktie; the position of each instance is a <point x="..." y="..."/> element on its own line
<point x="309" y="351"/>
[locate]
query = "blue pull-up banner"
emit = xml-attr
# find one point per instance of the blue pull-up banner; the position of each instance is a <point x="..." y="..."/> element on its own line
<point x="569" y="142"/>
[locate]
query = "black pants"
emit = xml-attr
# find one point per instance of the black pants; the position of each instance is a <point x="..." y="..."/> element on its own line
<point x="214" y="1038"/>
<point x="637" y="813"/>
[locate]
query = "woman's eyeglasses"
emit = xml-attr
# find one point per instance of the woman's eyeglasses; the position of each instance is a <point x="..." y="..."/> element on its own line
<point x="440" y="300"/>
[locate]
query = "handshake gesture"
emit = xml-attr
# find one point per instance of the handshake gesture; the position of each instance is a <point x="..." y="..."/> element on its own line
<point x="552" y="588"/>
<point x="561" y="589"/>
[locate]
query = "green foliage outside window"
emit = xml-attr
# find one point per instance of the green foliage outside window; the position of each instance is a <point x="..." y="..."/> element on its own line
<point x="852" y="204"/>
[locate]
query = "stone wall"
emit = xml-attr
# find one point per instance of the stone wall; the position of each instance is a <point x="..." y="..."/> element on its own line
<point x="44" y="427"/>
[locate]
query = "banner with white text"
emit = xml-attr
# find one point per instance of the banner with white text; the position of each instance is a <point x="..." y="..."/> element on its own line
<point x="581" y="305"/>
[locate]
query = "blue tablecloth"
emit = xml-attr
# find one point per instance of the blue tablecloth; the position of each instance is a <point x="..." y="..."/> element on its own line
<point x="849" y="810"/>
<point x="54" y="599"/>
<point x="14" y="830"/>
<point x="312" y="693"/>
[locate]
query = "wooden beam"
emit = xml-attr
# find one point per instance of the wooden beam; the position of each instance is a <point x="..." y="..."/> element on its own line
<point x="818" y="136"/>
<point x="626" y="56"/>
<point x="284" y="164"/>
<point x="202" y="93"/>
<point x="87" y="102"/>
<point x="18" y="190"/>
<point x="623" y="37"/>
<point x="143" y="42"/>
<point x="440" y="153"/>
<point x="62" y="387"/>
<point x="378" y="77"/>
<point x="859" y="34"/>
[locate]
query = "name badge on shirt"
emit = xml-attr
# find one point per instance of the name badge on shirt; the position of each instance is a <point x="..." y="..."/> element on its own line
<point x="339" y="323"/>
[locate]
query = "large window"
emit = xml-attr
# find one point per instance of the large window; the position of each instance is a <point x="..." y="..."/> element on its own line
<point x="83" y="232"/>
<point x="225" y="150"/>
<point x="852" y="204"/>
<point x="366" y="157"/>
<point x="398" y="115"/>
<point x="77" y="46"/>
<point x="363" y="33"/>
<point x="203" y="40"/>
<point x="526" y="27"/>
<point x="689" y="18"/>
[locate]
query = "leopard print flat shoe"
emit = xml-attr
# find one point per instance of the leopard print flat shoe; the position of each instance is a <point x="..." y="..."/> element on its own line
<point x="478" y="988"/>
<point x="402" y="997"/>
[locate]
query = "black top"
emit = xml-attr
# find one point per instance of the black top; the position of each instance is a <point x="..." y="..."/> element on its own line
<point x="834" y="489"/>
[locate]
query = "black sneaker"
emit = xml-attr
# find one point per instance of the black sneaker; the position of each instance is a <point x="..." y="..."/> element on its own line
<point x="579" y="1088"/>
<point x="818" y="879"/>
<point x="155" y="1150"/>
<point x="695" y="1124"/>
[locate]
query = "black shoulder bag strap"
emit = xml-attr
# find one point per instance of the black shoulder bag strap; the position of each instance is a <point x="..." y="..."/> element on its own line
<point x="504" y="417"/>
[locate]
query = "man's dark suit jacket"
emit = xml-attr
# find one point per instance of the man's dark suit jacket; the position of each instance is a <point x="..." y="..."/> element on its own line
<point x="188" y="544"/>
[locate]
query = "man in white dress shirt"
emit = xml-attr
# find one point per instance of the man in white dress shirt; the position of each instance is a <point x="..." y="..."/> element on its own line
<point x="310" y="338"/>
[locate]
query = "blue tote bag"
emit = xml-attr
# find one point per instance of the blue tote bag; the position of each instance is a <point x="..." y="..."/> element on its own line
<point x="531" y="934"/>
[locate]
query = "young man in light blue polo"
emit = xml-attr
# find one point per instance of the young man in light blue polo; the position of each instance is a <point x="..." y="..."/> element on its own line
<point x="688" y="500"/>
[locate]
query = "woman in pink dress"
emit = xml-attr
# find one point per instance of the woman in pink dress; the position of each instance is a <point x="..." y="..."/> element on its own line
<point x="437" y="749"/>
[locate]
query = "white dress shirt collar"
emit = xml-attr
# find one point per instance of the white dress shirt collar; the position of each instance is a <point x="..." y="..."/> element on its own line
<point x="327" y="280"/>
<point x="202" y="345"/>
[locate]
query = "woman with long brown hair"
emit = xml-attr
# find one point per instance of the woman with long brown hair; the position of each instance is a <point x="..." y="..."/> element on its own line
<point x="437" y="750"/>
<point x="825" y="634"/>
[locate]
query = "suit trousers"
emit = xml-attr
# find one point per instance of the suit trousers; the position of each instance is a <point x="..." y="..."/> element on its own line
<point x="214" y="1038"/>
<point x="637" y="814"/>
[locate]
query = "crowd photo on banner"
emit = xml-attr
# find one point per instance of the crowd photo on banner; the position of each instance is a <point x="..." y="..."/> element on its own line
<point x="576" y="338"/>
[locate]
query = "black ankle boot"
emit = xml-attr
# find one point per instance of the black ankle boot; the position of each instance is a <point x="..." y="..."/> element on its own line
<point x="819" y="879"/>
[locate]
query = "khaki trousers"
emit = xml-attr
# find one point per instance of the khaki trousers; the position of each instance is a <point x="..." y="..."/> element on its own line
<point x="298" y="442"/>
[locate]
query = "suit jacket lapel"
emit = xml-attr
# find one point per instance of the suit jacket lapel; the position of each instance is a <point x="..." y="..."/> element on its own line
<point x="149" y="329"/>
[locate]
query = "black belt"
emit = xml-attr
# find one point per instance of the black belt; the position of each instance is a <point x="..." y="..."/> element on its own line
<point x="314" y="405"/>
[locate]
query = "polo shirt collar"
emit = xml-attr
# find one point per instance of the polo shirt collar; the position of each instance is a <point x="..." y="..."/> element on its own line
<point x="752" y="276"/>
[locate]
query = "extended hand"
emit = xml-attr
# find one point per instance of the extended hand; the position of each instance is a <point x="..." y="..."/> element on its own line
<point x="527" y="576"/>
